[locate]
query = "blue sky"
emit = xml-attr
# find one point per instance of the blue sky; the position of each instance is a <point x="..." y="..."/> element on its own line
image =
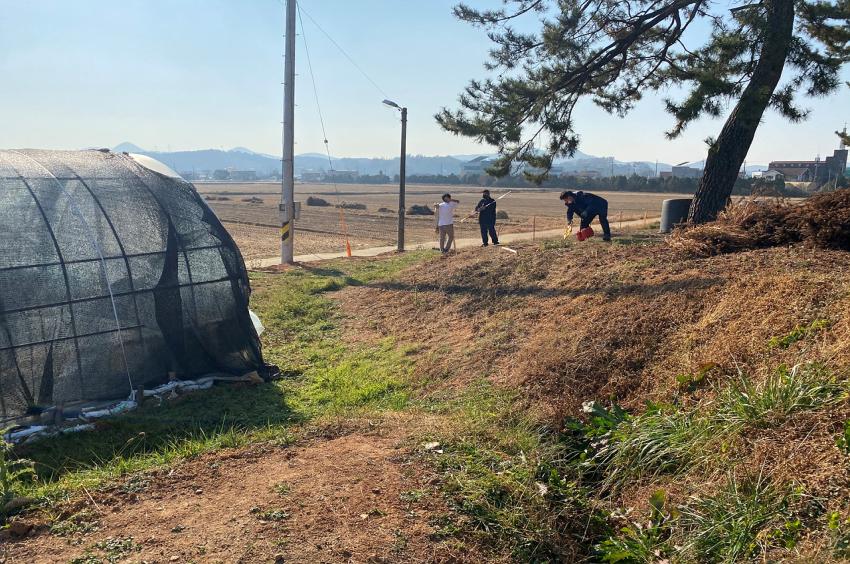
<point x="194" y="74"/>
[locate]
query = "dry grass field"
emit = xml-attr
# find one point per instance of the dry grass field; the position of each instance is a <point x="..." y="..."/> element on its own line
<point x="249" y="211"/>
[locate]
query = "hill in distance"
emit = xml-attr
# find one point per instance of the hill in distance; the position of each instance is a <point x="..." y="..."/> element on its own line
<point x="242" y="158"/>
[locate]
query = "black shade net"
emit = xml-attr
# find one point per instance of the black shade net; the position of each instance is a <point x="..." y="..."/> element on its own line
<point x="112" y="275"/>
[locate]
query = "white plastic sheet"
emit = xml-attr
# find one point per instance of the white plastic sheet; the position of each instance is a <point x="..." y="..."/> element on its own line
<point x="258" y="325"/>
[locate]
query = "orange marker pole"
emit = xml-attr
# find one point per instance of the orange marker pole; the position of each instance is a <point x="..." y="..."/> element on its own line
<point x="345" y="232"/>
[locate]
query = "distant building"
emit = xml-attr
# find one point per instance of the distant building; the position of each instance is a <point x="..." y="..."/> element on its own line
<point x="243" y="175"/>
<point x="341" y="175"/>
<point x="685" y="172"/>
<point x="818" y="171"/>
<point x="220" y="174"/>
<point x="312" y="176"/>
<point x="768" y="174"/>
<point x="554" y="171"/>
<point x="476" y="167"/>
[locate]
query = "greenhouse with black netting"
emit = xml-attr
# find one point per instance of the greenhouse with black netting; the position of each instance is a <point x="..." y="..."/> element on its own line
<point x="115" y="276"/>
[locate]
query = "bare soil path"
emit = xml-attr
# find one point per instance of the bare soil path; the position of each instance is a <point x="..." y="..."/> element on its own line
<point x="355" y="498"/>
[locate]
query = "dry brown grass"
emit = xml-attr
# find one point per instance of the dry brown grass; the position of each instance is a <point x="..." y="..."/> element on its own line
<point x="592" y="321"/>
<point x="820" y="221"/>
<point x="619" y="323"/>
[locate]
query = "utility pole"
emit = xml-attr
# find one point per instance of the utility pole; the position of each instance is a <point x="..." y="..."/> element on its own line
<point x="402" y="173"/>
<point x="287" y="183"/>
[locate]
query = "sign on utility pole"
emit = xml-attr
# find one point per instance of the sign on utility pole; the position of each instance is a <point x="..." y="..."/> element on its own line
<point x="287" y="195"/>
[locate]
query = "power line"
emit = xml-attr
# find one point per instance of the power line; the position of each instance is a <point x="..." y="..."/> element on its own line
<point x="343" y="224"/>
<point x="341" y="50"/>
<point x="315" y="89"/>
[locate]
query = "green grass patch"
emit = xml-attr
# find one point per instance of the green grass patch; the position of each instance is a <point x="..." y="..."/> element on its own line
<point x="504" y="474"/>
<point x="523" y="487"/>
<point x="641" y="543"/>
<point x="784" y="392"/>
<point x="663" y="439"/>
<point x="327" y="377"/>
<point x="555" y="244"/>
<point x="613" y="447"/>
<point x="747" y="517"/>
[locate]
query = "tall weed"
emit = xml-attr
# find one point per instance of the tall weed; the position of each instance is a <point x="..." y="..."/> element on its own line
<point x="786" y="391"/>
<point x="745" y="518"/>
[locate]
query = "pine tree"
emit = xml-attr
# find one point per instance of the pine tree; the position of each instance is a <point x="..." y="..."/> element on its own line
<point x="614" y="51"/>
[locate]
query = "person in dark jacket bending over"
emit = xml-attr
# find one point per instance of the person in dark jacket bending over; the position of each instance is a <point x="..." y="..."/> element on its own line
<point x="486" y="210"/>
<point x="587" y="206"/>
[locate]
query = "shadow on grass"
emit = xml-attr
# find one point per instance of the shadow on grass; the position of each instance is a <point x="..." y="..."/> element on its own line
<point x="489" y="291"/>
<point x="638" y="238"/>
<point x="324" y="271"/>
<point x="184" y="425"/>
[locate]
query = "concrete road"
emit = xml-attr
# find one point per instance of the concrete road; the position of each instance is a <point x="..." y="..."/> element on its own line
<point x="505" y="239"/>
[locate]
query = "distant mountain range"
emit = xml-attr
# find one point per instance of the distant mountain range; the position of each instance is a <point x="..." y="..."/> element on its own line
<point x="241" y="158"/>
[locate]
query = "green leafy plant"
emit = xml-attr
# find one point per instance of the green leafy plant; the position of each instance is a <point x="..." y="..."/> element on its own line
<point x="843" y="440"/>
<point x="118" y="548"/>
<point x="282" y="489"/>
<point x="80" y="523"/>
<point x="639" y="543"/>
<point x="839" y="532"/>
<point x="582" y="437"/>
<point x="274" y="515"/>
<point x="691" y="382"/>
<point x="799" y="333"/>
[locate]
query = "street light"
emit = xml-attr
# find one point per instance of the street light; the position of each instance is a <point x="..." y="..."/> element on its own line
<point x="402" y="172"/>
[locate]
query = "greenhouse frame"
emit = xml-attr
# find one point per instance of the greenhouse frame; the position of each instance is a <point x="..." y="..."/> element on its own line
<point x="114" y="275"/>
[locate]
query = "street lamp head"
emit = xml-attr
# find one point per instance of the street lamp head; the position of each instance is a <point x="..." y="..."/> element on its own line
<point x="392" y="104"/>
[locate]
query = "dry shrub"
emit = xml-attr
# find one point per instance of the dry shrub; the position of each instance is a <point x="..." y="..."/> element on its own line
<point x="820" y="221"/>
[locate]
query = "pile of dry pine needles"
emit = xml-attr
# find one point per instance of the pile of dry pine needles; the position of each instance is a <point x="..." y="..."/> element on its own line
<point x="823" y="221"/>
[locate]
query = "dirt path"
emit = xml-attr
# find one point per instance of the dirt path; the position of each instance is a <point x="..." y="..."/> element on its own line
<point x="357" y="498"/>
<point x="460" y="243"/>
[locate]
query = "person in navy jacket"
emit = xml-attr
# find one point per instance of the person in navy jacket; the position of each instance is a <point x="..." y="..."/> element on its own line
<point x="588" y="206"/>
<point x="486" y="210"/>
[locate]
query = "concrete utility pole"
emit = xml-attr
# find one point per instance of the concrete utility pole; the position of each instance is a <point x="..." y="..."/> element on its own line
<point x="402" y="172"/>
<point x="287" y="192"/>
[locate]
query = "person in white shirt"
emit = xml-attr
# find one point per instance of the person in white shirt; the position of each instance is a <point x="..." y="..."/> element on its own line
<point x="446" y="222"/>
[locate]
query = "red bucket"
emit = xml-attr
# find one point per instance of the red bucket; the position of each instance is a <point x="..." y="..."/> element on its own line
<point x="584" y="234"/>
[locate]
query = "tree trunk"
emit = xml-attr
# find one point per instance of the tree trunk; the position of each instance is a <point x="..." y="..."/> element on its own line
<point x="728" y="152"/>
